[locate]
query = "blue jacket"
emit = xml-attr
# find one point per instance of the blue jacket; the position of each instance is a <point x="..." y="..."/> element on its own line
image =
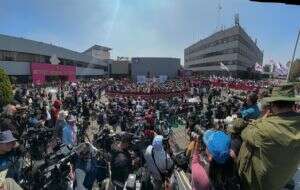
<point x="68" y="134"/>
<point x="250" y="112"/>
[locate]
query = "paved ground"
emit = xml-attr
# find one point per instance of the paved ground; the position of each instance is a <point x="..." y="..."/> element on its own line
<point x="181" y="138"/>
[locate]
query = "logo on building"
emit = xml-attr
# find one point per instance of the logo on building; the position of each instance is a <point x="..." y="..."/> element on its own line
<point x="54" y="60"/>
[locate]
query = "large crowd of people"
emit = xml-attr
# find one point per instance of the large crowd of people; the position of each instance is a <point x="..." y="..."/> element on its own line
<point x="117" y="134"/>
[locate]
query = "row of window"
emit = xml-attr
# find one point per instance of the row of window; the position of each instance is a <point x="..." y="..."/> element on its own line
<point x="28" y="57"/>
<point x="237" y="37"/>
<point x="212" y="54"/>
<point x="246" y="54"/>
<point x="208" y="64"/>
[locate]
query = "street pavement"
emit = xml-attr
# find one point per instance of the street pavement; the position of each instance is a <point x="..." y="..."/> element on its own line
<point x="180" y="138"/>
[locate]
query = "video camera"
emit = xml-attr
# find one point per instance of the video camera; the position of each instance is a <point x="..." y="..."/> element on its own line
<point x="35" y="141"/>
<point x="83" y="124"/>
<point x="50" y="173"/>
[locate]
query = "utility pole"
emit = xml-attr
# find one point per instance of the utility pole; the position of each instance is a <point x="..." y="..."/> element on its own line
<point x="293" y="58"/>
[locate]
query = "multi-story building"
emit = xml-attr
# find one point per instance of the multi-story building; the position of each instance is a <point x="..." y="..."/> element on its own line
<point x="30" y="60"/>
<point x="99" y="52"/>
<point x="232" y="47"/>
<point x="121" y="67"/>
<point x="154" y="66"/>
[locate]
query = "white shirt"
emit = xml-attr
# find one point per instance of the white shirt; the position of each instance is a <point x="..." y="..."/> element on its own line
<point x="160" y="160"/>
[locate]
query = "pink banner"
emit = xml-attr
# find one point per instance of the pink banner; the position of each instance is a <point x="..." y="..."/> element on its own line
<point x="40" y="70"/>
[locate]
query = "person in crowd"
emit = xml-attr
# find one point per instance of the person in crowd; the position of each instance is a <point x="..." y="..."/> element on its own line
<point x="61" y="123"/>
<point x="9" y="163"/>
<point x="55" y="110"/>
<point x="33" y="119"/>
<point x="158" y="162"/>
<point x="214" y="169"/>
<point x="7" y="119"/>
<point x="250" y="110"/>
<point x="70" y="132"/>
<point x="270" y="153"/>
<point x="122" y="163"/>
<point x="46" y="116"/>
<point x="263" y="106"/>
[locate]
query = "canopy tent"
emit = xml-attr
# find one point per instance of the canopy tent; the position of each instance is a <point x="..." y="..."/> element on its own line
<point x="294" y="2"/>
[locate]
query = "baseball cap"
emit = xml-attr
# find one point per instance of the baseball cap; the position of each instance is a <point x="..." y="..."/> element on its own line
<point x="218" y="145"/>
<point x="6" y="137"/>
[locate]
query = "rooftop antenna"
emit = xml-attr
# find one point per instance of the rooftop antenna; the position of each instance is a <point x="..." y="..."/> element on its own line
<point x="237" y="19"/>
<point x="219" y="25"/>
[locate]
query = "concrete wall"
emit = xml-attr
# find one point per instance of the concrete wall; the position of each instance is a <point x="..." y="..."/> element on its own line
<point x="155" y="66"/>
<point x="120" y="68"/>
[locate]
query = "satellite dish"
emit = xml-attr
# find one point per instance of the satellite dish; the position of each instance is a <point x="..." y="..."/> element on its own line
<point x="54" y="60"/>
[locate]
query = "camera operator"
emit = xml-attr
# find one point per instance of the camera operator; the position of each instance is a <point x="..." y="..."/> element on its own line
<point x="9" y="163"/>
<point x="158" y="162"/>
<point x="16" y="117"/>
<point x="250" y="109"/>
<point x="121" y="164"/>
<point x="7" y="118"/>
<point x="270" y="153"/>
<point x="214" y="167"/>
<point x="90" y="166"/>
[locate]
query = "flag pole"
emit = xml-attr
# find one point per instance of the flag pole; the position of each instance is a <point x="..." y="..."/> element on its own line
<point x="293" y="58"/>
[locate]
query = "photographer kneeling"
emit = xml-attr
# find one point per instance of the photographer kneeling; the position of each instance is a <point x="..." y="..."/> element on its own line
<point x="214" y="169"/>
<point x="9" y="163"/>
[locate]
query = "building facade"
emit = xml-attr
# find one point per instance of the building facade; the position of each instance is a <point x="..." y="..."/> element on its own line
<point x="99" y="52"/>
<point x="18" y="54"/>
<point x="120" y="68"/>
<point x="232" y="47"/>
<point x="154" y="66"/>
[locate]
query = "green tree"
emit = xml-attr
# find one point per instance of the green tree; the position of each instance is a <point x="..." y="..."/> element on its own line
<point x="6" y="93"/>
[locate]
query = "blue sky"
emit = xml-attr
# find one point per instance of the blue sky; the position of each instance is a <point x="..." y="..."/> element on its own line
<point x="148" y="27"/>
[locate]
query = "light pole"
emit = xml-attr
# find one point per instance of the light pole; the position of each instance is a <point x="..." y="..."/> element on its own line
<point x="293" y="58"/>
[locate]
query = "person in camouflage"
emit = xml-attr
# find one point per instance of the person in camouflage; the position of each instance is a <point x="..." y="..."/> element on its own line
<point x="270" y="153"/>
